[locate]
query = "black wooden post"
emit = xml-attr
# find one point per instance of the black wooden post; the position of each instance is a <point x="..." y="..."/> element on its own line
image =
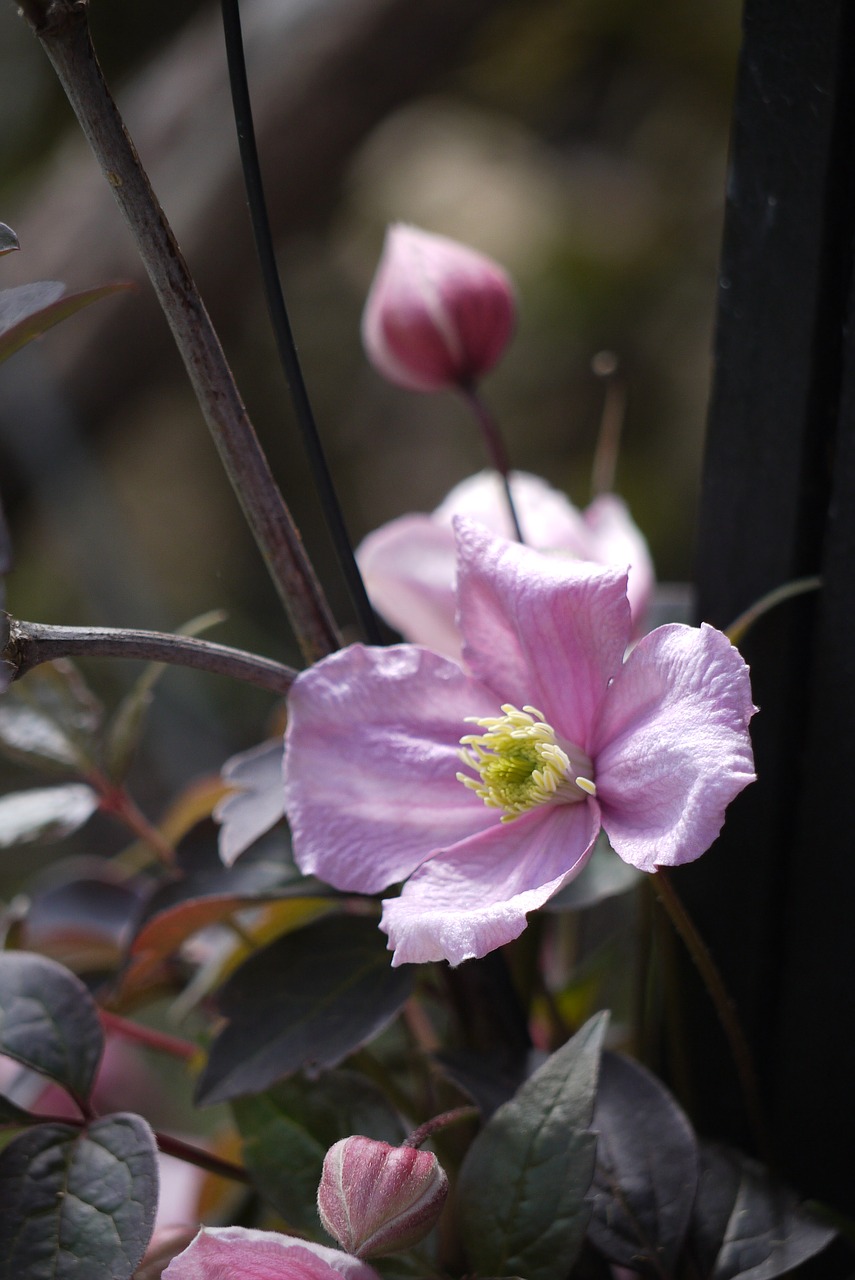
<point x="776" y="897"/>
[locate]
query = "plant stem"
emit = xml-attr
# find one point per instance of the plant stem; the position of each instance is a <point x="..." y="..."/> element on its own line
<point x="798" y="587"/>
<point x="116" y="800"/>
<point x="157" y="1040"/>
<point x="430" y="1127"/>
<point x="496" y="450"/>
<point x="31" y="643"/>
<point x="605" y="366"/>
<point x="281" y="325"/>
<point x="723" y="1004"/>
<point x="62" y="28"/>
<point x="203" y="1159"/>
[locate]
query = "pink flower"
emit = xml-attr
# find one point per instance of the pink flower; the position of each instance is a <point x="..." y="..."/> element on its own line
<point x="408" y="564"/>
<point x="376" y="1199"/>
<point x="240" y="1253"/>
<point x="438" y="314"/>
<point x="484" y="788"/>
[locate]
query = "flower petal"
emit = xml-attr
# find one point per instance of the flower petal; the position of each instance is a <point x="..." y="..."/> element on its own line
<point x="539" y="629"/>
<point x="408" y="567"/>
<point x="371" y="758"/>
<point x="243" y="1253"/>
<point x="672" y="747"/>
<point x="473" y="897"/>
<point x="615" y="538"/>
<point x="549" y="520"/>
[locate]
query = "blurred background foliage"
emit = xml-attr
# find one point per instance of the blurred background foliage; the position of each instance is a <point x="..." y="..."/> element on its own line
<point x="582" y="143"/>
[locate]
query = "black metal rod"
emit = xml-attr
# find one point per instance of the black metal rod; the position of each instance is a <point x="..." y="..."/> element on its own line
<point x="281" y="324"/>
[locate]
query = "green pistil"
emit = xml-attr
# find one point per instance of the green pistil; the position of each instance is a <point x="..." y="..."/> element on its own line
<point x="520" y="764"/>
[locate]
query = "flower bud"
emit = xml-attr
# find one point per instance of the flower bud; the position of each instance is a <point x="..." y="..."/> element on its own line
<point x="438" y="314"/>
<point x="377" y="1199"/>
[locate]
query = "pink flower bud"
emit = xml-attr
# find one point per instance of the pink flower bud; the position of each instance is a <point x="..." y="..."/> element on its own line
<point x="438" y="314"/>
<point x="377" y="1199"/>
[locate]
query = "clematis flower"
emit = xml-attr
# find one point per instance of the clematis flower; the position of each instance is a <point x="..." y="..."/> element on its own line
<point x="242" y="1253"/>
<point x="438" y="313"/>
<point x="408" y="564"/>
<point x="484" y="787"/>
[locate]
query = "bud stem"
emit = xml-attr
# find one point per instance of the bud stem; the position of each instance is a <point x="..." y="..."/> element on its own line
<point x="419" y="1136"/>
<point x="495" y="446"/>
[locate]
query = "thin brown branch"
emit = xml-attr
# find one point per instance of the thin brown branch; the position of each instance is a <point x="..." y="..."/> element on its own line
<point x="31" y="643"/>
<point x="63" y="30"/>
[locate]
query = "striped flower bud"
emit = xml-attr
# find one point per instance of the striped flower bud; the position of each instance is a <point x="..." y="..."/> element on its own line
<point x="438" y="314"/>
<point x="376" y="1199"/>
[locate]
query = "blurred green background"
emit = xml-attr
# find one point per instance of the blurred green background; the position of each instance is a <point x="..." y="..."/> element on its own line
<point x="583" y="143"/>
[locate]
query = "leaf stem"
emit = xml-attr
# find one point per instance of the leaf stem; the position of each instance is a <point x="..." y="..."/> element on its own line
<point x="62" y="27"/>
<point x="723" y="1004"/>
<point x="31" y="643"/>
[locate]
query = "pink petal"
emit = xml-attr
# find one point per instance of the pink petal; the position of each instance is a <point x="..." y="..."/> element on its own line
<point x="371" y="758"/>
<point x="408" y="566"/>
<point x="549" y="520"/>
<point x="241" y="1253"/>
<point x="615" y="538"/>
<point x="672" y="746"/>
<point x="473" y="897"/>
<point x="539" y="629"/>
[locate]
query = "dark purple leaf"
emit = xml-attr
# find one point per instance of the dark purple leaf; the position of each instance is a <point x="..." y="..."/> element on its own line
<point x="745" y="1226"/>
<point x="307" y="1001"/>
<point x="29" y="310"/>
<point x="8" y="239"/>
<point x="78" y="1204"/>
<point x="49" y="1021"/>
<point x="45" y="813"/>
<point x="647" y="1170"/>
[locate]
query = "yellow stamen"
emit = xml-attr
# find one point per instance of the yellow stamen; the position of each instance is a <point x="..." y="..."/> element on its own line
<point x="520" y="763"/>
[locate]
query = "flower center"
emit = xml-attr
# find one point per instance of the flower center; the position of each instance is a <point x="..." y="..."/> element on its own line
<point x="520" y="763"/>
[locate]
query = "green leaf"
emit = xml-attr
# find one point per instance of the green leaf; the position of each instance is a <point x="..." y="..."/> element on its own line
<point x="8" y="239"/>
<point x="306" y="1001"/>
<point x="29" y="310"/>
<point x="49" y="1021"/>
<point x="45" y="813"/>
<point x="50" y="720"/>
<point x="521" y="1194"/>
<point x="647" y="1170"/>
<point x="288" y="1131"/>
<point x="745" y="1225"/>
<point x="77" y="1204"/>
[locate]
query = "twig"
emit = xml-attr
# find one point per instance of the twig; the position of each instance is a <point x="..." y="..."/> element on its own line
<point x="723" y="1004"/>
<point x="62" y="28"/>
<point x="31" y="643"/>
